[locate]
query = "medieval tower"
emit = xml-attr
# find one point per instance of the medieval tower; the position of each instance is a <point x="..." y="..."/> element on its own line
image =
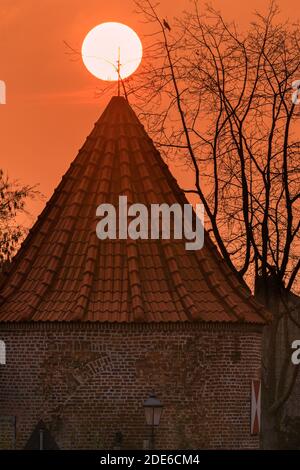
<point x="92" y="327"/>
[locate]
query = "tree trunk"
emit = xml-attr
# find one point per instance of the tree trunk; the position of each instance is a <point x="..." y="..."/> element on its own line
<point x="268" y="292"/>
<point x="269" y="419"/>
<point x="269" y="438"/>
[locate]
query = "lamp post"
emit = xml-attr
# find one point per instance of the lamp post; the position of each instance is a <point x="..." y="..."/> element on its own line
<point x="153" y="410"/>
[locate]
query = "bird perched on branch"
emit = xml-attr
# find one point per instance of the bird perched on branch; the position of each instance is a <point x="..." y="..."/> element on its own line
<point x="166" y="25"/>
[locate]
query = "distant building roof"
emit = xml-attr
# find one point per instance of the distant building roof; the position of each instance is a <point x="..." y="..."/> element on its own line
<point x="63" y="272"/>
<point x="41" y="439"/>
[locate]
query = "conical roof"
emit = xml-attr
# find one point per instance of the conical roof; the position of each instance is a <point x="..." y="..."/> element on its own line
<point x="63" y="272"/>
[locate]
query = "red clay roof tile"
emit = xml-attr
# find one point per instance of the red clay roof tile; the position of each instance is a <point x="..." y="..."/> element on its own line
<point x="64" y="273"/>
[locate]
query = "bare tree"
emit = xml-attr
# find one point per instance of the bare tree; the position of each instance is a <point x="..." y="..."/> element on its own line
<point x="220" y="102"/>
<point x="13" y="197"/>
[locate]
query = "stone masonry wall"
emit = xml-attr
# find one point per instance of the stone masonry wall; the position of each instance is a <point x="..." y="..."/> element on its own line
<point x="88" y="381"/>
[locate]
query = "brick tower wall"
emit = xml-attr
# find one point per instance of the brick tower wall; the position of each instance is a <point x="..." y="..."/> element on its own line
<point x="88" y="382"/>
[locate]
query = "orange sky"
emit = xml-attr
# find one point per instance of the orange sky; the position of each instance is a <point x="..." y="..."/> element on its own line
<point x="51" y="106"/>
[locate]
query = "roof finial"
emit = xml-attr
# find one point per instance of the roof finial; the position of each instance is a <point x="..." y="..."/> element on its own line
<point x="119" y="71"/>
<point x="101" y="53"/>
<point x="120" y="80"/>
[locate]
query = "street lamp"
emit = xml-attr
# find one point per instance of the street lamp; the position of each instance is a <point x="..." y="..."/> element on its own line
<point x="153" y="410"/>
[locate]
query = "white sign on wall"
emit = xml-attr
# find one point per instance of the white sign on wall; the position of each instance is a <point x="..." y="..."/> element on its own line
<point x="2" y="353"/>
<point x="255" y="406"/>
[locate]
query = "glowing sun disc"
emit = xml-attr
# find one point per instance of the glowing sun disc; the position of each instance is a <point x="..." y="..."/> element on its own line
<point x="105" y="44"/>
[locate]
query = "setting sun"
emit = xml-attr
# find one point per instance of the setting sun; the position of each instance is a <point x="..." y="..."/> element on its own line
<point x="111" y="51"/>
